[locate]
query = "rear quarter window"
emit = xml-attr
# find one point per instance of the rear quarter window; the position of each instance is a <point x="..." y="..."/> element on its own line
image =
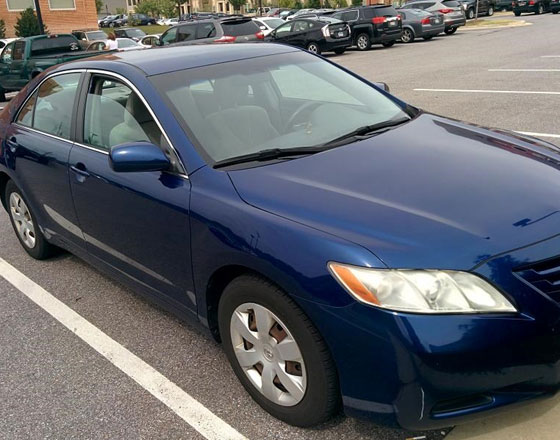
<point x="239" y="28"/>
<point x="385" y="12"/>
<point x="45" y="46"/>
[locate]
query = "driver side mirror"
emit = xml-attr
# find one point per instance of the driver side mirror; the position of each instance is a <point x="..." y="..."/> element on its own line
<point x="134" y="157"/>
<point x="383" y="86"/>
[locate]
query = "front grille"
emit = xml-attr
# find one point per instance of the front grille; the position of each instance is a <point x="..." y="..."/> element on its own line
<point x="544" y="275"/>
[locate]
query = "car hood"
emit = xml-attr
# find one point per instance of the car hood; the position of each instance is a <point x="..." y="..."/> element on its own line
<point x="432" y="193"/>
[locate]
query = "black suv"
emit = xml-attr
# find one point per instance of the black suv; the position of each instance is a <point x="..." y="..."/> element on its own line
<point x="485" y="7"/>
<point x="227" y="30"/>
<point x="536" y="6"/>
<point x="372" y="25"/>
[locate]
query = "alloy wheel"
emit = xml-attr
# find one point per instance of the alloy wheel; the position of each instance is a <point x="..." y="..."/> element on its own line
<point x="22" y="219"/>
<point x="268" y="354"/>
<point x="406" y="36"/>
<point x="362" y="42"/>
<point x="313" y="48"/>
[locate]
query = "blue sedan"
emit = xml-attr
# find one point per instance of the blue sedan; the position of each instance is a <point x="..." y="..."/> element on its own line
<point x="347" y="249"/>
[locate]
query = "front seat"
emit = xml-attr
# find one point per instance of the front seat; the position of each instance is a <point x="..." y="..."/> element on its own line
<point x="138" y="124"/>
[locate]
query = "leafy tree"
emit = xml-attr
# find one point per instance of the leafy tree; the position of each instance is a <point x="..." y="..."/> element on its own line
<point x="148" y="7"/>
<point x="27" y="24"/>
<point x="326" y="4"/>
<point x="313" y="4"/>
<point x="168" y="8"/>
<point x="237" y="4"/>
<point x="120" y="11"/>
<point x="286" y="4"/>
<point x="99" y="5"/>
<point x="2" y="29"/>
<point x="357" y="3"/>
<point x="298" y="4"/>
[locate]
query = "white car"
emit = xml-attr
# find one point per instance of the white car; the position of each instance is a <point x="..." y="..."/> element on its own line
<point x="4" y="41"/>
<point x="171" y="21"/>
<point x="150" y="40"/>
<point x="268" y="24"/>
<point x="126" y="44"/>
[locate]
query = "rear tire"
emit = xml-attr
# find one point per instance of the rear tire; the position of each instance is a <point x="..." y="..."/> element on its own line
<point x="314" y="48"/>
<point x="340" y="51"/>
<point x="248" y="300"/>
<point x="25" y="224"/>
<point x="451" y="31"/>
<point x="407" y="36"/>
<point x="388" y="44"/>
<point x="470" y="14"/>
<point x="363" y="42"/>
<point x="490" y="11"/>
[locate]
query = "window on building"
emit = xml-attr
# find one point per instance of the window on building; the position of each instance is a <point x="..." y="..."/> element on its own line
<point x="227" y="7"/>
<point x="20" y="5"/>
<point x="62" y="4"/>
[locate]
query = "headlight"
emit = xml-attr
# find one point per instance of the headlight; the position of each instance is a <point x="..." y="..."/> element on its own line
<point x="421" y="291"/>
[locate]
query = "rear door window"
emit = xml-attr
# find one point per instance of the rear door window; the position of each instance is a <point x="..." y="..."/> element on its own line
<point x="348" y="16"/>
<point x="205" y="30"/>
<point x="49" y="110"/>
<point x="186" y="33"/>
<point x="285" y="29"/>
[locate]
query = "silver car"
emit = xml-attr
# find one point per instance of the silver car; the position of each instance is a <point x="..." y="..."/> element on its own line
<point x="453" y="14"/>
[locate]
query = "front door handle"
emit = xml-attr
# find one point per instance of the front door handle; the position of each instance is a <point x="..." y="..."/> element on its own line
<point x="12" y="143"/>
<point x="80" y="172"/>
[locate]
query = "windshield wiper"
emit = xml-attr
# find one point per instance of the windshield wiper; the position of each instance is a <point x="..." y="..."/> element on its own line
<point x="365" y="132"/>
<point x="269" y="154"/>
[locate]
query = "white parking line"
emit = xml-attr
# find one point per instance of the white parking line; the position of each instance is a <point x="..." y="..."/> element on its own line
<point x="185" y="406"/>
<point x="515" y="92"/>
<point x="546" y="135"/>
<point x="550" y="56"/>
<point x="523" y="70"/>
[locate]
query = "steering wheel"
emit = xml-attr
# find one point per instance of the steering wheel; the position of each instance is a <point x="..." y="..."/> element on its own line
<point x="308" y="106"/>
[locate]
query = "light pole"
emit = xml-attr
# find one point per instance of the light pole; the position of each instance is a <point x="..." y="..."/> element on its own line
<point x="39" y="16"/>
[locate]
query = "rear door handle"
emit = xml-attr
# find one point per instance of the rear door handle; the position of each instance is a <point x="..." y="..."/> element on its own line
<point x="80" y="172"/>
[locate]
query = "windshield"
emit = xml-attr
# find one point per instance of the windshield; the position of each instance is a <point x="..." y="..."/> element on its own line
<point x="100" y="35"/>
<point x="276" y="102"/>
<point x="274" y="22"/>
<point x="137" y="33"/>
<point x="125" y="42"/>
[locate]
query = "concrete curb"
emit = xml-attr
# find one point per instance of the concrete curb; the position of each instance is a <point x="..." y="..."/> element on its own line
<point x="482" y="28"/>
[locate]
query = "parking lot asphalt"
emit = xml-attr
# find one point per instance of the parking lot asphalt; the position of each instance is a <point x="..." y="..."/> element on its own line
<point x="55" y="385"/>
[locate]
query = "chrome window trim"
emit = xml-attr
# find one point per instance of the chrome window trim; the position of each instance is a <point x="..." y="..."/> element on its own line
<point x="25" y="127"/>
<point x="183" y="171"/>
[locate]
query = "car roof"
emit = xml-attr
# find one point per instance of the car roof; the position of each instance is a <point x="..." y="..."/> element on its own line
<point x="173" y="58"/>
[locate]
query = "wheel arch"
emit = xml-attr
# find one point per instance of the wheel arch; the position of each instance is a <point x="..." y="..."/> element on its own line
<point x="4" y="179"/>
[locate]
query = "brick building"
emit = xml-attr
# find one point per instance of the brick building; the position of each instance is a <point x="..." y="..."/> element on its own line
<point x="58" y="15"/>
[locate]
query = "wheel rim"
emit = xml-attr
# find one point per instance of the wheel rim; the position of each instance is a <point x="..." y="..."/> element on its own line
<point x="312" y="48"/>
<point x="406" y="36"/>
<point x="541" y="9"/>
<point x="362" y="42"/>
<point x="22" y="219"/>
<point x="268" y="354"/>
<point x="471" y="13"/>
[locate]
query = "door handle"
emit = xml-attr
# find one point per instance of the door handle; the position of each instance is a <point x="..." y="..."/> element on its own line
<point x="12" y="143"/>
<point x="80" y="172"/>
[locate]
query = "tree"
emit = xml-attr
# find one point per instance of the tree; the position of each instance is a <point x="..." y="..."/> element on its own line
<point x="148" y="7"/>
<point x="2" y="29"/>
<point x="27" y="24"/>
<point x="357" y="2"/>
<point x="168" y="8"/>
<point x="298" y="4"/>
<point x="326" y="4"/>
<point x="99" y="5"/>
<point x="313" y="4"/>
<point x="120" y="11"/>
<point x="237" y="4"/>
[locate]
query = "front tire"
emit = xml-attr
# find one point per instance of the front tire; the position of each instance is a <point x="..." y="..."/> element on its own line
<point x="363" y="42"/>
<point x="25" y="224"/>
<point x="277" y="353"/>
<point x="470" y="14"/>
<point x="490" y="11"/>
<point x="451" y="31"/>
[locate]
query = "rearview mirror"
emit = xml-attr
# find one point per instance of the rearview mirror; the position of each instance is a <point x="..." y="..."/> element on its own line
<point x="383" y="86"/>
<point x="138" y="157"/>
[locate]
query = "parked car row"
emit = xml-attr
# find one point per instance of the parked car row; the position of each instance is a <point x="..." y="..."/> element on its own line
<point x="120" y="20"/>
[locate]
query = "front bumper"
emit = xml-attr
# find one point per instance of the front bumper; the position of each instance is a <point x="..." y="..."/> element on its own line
<point x="431" y="371"/>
